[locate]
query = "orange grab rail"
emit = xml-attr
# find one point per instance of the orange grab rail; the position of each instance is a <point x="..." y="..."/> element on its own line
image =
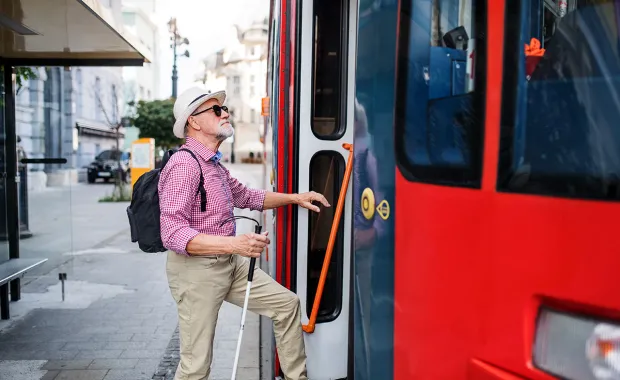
<point x="309" y="328"/>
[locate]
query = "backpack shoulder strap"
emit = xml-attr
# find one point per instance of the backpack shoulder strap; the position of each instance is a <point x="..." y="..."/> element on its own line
<point x="201" y="188"/>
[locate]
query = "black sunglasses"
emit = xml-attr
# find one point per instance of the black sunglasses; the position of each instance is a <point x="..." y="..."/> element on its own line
<point x="217" y="110"/>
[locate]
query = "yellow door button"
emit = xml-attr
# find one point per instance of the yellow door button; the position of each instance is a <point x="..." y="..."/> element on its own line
<point x="368" y="203"/>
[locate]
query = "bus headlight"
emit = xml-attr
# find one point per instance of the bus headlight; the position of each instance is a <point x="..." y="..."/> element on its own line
<point x="603" y="351"/>
<point x="573" y="347"/>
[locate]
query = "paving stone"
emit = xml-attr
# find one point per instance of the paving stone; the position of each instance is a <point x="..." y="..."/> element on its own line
<point x="141" y="354"/>
<point x="84" y="346"/>
<point x="113" y="364"/>
<point x="99" y="354"/>
<point x="111" y="337"/>
<point x="149" y="337"/>
<point x="50" y="375"/>
<point x="67" y="364"/>
<point x="55" y="355"/>
<point x="125" y="374"/>
<point x="148" y="364"/>
<point x="133" y="345"/>
<point x="82" y="374"/>
<point x="242" y="373"/>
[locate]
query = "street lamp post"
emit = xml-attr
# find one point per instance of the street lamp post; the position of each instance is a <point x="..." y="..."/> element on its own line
<point x="176" y="41"/>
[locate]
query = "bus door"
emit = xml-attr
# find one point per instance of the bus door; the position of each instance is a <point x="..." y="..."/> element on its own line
<point x="327" y="55"/>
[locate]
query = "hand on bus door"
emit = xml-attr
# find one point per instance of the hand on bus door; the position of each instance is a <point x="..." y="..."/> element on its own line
<point x="250" y="245"/>
<point x="305" y="200"/>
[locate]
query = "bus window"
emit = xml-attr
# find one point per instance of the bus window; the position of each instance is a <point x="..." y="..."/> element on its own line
<point x="559" y="117"/>
<point x="329" y="69"/>
<point x="326" y="175"/>
<point x="440" y="91"/>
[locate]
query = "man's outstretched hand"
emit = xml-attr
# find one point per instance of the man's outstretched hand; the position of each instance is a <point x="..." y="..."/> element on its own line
<point x="305" y="200"/>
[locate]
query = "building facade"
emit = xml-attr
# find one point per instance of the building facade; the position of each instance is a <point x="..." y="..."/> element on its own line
<point x="241" y="69"/>
<point x="140" y="83"/>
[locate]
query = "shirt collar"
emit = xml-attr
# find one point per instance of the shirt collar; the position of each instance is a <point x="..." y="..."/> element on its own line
<point x="201" y="150"/>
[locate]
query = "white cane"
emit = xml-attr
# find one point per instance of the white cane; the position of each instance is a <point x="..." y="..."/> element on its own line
<point x="257" y="230"/>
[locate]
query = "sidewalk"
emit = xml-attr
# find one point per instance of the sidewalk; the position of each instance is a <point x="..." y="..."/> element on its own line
<point x="118" y="319"/>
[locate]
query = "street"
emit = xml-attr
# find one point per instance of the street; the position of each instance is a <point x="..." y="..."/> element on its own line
<point x="118" y="320"/>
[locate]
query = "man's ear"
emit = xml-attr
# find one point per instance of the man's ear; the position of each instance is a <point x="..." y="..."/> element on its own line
<point x="192" y="123"/>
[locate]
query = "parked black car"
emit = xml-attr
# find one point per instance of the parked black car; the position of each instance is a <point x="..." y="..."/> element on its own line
<point x="106" y="165"/>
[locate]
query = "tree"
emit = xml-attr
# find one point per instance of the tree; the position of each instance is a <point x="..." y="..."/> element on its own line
<point x="114" y="122"/>
<point x="155" y="119"/>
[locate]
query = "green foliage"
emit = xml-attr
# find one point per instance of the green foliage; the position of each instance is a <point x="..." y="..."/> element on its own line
<point x="21" y="74"/>
<point x="24" y="73"/>
<point x="155" y="120"/>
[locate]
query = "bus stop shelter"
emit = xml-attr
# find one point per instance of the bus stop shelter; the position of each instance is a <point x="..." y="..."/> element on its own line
<point x="63" y="33"/>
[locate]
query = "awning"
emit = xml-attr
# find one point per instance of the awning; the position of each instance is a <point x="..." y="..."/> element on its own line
<point x="65" y="33"/>
<point x="96" y="129"/>
<point x="251" y="146"/>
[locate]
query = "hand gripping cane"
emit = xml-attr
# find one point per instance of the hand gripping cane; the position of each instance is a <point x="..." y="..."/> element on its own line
<point x="257" y="230"/>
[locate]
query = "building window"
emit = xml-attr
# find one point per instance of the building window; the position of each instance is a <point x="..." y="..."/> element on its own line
<point x="78" y="92"/>
<point x="439" y="113"/>
<point x="326" y="175"/>
<point x="98" y="99"/>
<point x="560" y="113"/>
<point x="329" y="75"/>
<point x="114" y="105"/>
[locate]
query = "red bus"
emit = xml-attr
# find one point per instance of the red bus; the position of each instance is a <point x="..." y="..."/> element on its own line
<point x="477" y="233"/>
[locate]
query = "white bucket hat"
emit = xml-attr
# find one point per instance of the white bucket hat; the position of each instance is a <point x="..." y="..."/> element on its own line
<point x="186" y="104"/>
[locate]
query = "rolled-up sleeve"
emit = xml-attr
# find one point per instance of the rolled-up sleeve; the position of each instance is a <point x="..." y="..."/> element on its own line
<point x="177" y="190"/>
<point x="244" y="197"/>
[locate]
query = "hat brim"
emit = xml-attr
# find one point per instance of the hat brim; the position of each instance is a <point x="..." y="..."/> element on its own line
<point x="179" y="124"/>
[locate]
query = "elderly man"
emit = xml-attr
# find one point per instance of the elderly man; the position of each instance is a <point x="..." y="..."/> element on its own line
<point x="205" y="266"/>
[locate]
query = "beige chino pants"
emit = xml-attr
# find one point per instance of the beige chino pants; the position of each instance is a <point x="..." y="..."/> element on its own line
<point x="199" y="284"/>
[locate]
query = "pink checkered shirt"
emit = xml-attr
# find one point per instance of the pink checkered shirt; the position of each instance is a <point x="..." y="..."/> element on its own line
<point x="179" y="202"/>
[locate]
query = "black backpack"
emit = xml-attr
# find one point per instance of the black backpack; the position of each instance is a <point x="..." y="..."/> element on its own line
<point x="143" y="211"/>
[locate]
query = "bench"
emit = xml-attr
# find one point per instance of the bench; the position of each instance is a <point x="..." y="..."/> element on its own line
<point x="10" y="273"/>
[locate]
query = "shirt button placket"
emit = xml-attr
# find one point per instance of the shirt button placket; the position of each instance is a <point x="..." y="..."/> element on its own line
<point x="228" y="193"/>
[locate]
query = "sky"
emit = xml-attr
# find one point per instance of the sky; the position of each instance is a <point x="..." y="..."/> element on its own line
<point x="207" y="24"/>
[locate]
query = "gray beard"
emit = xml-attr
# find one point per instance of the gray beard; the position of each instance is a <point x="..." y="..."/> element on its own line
<point x="224" y="133"/>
